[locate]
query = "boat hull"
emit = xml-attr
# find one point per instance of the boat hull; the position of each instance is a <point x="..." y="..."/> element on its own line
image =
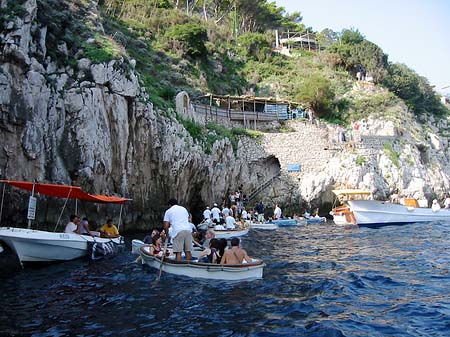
<point x="41" y="246"/>
<point x="205" y="270"/>
<point x="228" y="234"/>
<point x="284" y="222"/>
<point x="265" y="226"/>
<point x="374" y="212"/>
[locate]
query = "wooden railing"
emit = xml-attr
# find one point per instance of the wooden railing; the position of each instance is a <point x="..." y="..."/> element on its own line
<point x="214" y="112"/>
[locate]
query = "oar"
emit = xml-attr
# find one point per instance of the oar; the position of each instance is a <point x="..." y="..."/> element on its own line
<point x="162" y="258"/>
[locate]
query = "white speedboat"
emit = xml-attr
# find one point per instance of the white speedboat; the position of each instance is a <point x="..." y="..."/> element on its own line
<point x="41" y="246"/>
<point x="230" y="233"/>
<point x="375" y="213"/>
<point x="238" y="272"/>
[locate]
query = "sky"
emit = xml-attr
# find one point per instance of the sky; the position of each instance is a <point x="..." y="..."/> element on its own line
<point x="414" y="32"/>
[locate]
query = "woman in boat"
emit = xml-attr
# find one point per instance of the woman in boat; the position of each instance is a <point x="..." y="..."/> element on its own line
<point x="223" y="243"/>
<point x="156" y="246"/>
<point x="148" y="238"/>
<point x="211" y="254"/>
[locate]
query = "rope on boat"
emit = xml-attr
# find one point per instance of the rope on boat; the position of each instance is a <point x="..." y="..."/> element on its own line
<point x="1" y="206"/>
<point x="60" y="214"/>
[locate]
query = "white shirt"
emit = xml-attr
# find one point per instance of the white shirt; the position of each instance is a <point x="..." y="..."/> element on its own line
<point x="216" y="213"/>
<point x="206" y="214"/>
<point x="178" y="217"/>
<point x="277" y="213"/>
<point x="226" y="211"/>
<point x="244" y="214"/>
<point x="447" y="203"/>
<point x="230" y="222"/>
<point x="70" y="227"/>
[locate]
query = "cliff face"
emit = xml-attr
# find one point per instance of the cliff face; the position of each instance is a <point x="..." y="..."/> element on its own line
<point x="93" y="126"/>
<point x="65" y="119"/>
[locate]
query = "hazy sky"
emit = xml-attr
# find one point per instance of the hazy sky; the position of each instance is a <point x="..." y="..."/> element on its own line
<point x="414" y="32"/>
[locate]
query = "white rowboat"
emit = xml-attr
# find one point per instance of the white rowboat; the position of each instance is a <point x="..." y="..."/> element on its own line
<point x="239" y="272"/>
<point x="230" y="233"/>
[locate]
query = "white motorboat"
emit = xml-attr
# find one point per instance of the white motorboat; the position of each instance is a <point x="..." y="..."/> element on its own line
<point x="264" y="225"/>
<point x="238" y="272"/>
<point x="230" y="233"/>
<point x="43" y="246"/>
<point x="375" y="212"/>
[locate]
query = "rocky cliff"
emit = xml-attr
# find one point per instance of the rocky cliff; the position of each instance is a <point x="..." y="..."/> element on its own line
<point x="92" y="125"/>
<point x="67" y="119"/>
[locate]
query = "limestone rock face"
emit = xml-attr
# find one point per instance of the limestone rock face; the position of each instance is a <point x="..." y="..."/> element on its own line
<point x="93" y="126"/>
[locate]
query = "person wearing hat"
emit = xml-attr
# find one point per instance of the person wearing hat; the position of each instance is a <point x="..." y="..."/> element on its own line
<point x="207" y="214"/>
<point x="177" y="218"/>
<point x="435" y="206"/>
<point x="216" y="213"/>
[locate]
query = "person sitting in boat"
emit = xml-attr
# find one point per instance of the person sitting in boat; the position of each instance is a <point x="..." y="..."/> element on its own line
<point x="83" y="227"/>
<point x="447" y="202"/>
<point x="193" y="227"/>
<point x="72" y="226"/>
<point x="209" y="235"/>
<point x="149" y="238"/>
<point x="223" y="245"/>
<point x="230" y="222"/>
<point x="210" y="254"/>
<point x="109" y="230"/>
<point x="235" y="255"/>
<point x="156" y="245"/>
<point x="435" y="206"/>
<point x="218" y="226"/>
<point x="277" y="212"/>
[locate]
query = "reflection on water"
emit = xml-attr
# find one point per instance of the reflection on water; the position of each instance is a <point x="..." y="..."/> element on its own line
<point x="320" y="280"/>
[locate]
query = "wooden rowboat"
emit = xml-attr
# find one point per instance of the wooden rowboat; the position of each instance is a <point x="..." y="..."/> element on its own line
<point x="235" y="272"/>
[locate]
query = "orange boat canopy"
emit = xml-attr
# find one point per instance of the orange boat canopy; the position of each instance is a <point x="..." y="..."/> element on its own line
<point x="65" y="191"/>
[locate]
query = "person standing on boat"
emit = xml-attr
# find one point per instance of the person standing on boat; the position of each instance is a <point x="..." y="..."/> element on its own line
<point x="259" y="208"/>
<point x="72" y="226"/>
<point x="109" y="230"/>
<point x="216" y="213"/>
<point x="277" y="212"/>
<point x="235" y="255"/>
<point x="207" y="214"/>
<point x="177" y="217"/>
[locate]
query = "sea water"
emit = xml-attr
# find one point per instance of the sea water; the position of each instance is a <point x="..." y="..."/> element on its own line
<point x="320" y="280"/>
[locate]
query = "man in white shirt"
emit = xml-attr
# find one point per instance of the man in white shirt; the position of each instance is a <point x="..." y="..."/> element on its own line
<point x="207" y="213"/>
<point x="244" y="214"/>
<point x="230" y="222"/>
<point x="277" y="212"/>
<point x="216" y="213"/>
<point x="72" y="226"/>
<point x="177" y="218"/>
<point x="225" y="211"/>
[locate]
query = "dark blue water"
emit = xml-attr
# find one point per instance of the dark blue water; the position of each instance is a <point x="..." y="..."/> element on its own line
<point x="320" y="280"/>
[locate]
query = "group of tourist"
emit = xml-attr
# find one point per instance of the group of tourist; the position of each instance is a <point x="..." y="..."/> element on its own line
<point x="78" y="226"/>
<point x="178" y="229"/>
